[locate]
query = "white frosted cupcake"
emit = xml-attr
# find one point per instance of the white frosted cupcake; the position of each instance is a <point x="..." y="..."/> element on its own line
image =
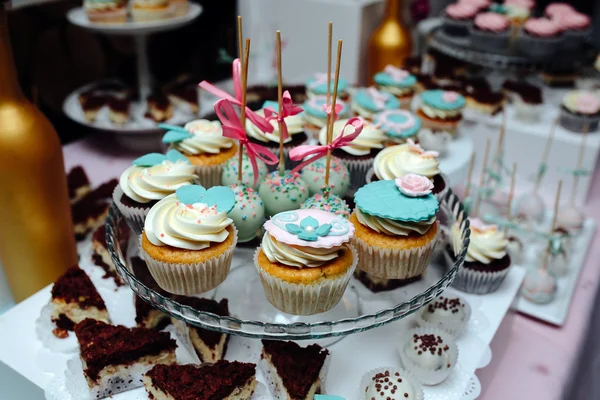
<point x="150" y="178"/>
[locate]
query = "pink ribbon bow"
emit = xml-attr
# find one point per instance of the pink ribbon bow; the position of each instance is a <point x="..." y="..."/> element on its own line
<point x="378" y="98"/>
<point x="302" y="152"/>
<point x="233" y="129"/>
<point x="396" y="73"/>
<point x="256" y="119"/>
<point x="288" y="109"/>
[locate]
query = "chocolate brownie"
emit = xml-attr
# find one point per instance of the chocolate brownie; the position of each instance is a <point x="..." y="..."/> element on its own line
<point x="74" y="286"/>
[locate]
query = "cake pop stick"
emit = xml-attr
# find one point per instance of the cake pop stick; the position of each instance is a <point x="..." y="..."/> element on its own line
<point x="579" y="163"/>
<point x="240" y="34"/>
<point x="243" y="106"/>
<point x="500" y="145"/>
<point x="540" y="175"/>
<point x="486" y="155"/>
<point x="280" y="101"/>
<point x="469" y="175"/>
<point x="553" y="225"/>
<point x="332" y="111"/>
<point x="511" y="193"/>
<point x="329" y="39"/>
<point x="243" y="61"/>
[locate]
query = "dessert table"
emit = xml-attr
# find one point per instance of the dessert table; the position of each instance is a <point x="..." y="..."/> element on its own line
<point x="531" y="359"/>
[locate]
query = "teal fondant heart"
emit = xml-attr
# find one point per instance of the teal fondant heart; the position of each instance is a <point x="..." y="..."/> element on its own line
<point x="149" y="160"/>
<point x="174" y="156"/>
<point x="176" y="136"/>
<point x="221" y="196"/>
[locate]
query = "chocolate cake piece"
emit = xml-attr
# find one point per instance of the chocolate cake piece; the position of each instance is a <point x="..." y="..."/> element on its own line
<point x="146" y="316"/>
<point x="78" y="183"/>
<point x="294" y="372"/>
<point x="101" y="256"/>
<point x="90" y="212"/>
<point x="528" y="93"/>
<point x="485" y="101"/>
<point x="223" y="380"/>
<point x="115" y="358"/>
<point x="119" y="110"/>
<point x="376" y="285"/>
<point x="91" y="105"/>
<point x="413" y="64"/>
<point x="159" y="108"/>
<point x="210" y="346"/>
<point x="185" y="97"/>
<point x="74" y="298"/>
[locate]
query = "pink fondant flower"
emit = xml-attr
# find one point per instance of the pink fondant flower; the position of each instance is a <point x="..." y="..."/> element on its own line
<point x="479" y="226"/>
<point x="413" y="185"/>
<point x="396" y="73"/>
<point x="450" y="97"/>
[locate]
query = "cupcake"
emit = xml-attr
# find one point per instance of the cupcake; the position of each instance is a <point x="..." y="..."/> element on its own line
<point x="390" y="384"/>
<point x="398" y="125"/>
<point x="180" y="7"/>
<point x="451" y="314"/>
<point x="295" y="129"/>
<point x="229" y="176"/>
<point x="486" y="262"/>
<point x="480" y="4"/>
<point x="188" y="240"/>
<point x="396" y="227"/>
<point x="314" y="176"/>
<point x="580" y="110"/>
<point x="149" y="179"/>
<point x="203" y="144"/>
<point x="315" y="116"/>
<point x="317" y="87"/>
<point x="518" y="11"/>
<point x="305" y="260"/>
<point x="283" y="192"/>
<point x="441" y="110"/>
<point x="106" y="11"/>
<point x="576" y="27"/>
<point x="409" y="158"/>
<point x="429" y="353"/>
<point x="358" y="156"/>
<point x="490" y="32"/>
<point x="458" y="18"/>
<point x="151" y="10"/>
<point x="369" y="101"/>
<point x="539" y="38"/>
<point x="555" y="10"/>
<point x="398" y="82"/>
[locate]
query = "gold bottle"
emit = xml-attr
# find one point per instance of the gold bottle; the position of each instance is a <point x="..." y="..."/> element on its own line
<point x="391" y="42"/>
<point x="36" y="233"/>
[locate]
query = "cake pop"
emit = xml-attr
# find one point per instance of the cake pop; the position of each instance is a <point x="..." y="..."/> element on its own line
<point x="515" y="249"/>
<point x="539" y="286"/>
<point x="248" y="213"/>
<point x="283" y="192"/>
<point x="530" y="208"/>
<point x="558" y="258"/>
<point x="571" y="220"/>
<point x="339" y="177"/>
<point x="230" y="172"/>
<point x="328" y="202"/>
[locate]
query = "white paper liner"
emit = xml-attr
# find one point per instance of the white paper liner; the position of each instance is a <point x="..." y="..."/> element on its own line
<point x="425" y="375"/>
<point x="43" y="329"/>
<point x="301" y="299"/>
<point x="134" y="216"/>
<point x="191" y="279"/>
<point x="209" y="175"/>
<point x="368" y="378"/>
<point x="393" y="263"/>
<point x="358" y="171"/>
<point x="454" y="328"/>
<point x="275" y="384"/>
<point x="477" y="282"/>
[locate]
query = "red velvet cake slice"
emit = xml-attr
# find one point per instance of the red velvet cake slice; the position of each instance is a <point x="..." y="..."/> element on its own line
<point x="210" y="346"/>
<point x="115" y="358"/>
<point x="294" y="372"/>
<point x="147" y="316"/>
<point x="101" y="256"/>
<point x="78" y="183"/>
<point x="223" y="380"/>
<point x="91" y="211"/>
<point x="74" y="298"/>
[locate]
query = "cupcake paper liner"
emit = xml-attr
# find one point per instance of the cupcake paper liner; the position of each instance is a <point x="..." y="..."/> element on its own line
<point x="477" y="282"/>
<point x="301" y="299"/>
<point x="454" y="328"/>
<point x="425" y="375"/>
<point x="538" y="48"/>
<point x="134" y="216"/>
<point x="577" y="123"/>
<point x="441" y="125"/>
<point x="191" y="279"/>
<point x="368" y="378"/>
<point x="490" y="41"/>
<point x="527" y="112"/>
<point x="209" y="175"/>
<point x="393" y="263"/>
<point x="358" y="171"/>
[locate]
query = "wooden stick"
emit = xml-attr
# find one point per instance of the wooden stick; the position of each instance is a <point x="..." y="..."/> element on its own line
<point x="329" y="39"/>
<point x="500" y="149"/>
<point x="280" y="100"/>
<point x="546" y="154"/>
<point x="332" y="114"/>
<point x="243" y="106"/>
<point x="241" y="58"/>
<point x="579" y="163"/>
<point x="469" y="175"/>
<point x="486" y="155"/>
<point x="553" y="225"/>
<point x="511" y="193"/>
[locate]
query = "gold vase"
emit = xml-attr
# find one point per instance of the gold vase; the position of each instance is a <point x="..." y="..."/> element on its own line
<point x="36" y="233"/>
<point x="391" y="42"/>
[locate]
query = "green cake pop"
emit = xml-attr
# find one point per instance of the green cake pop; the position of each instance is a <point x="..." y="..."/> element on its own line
<point x="328" y="202"/>
<point x="283" y="192"/>
<point x="230" y="172"/>
<point x="314" y="175"/>
<point x="248" y="214"/>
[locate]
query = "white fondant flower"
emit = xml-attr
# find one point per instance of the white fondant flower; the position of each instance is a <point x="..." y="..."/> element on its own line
<point x="413" y="185"/>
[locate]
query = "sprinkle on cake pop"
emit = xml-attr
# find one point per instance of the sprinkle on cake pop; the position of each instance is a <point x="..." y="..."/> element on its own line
<point x="339" y="177"/>
<point x="283" y="193"/>
<point x="248" y="213"/>
<point x="328" y="202"/>
<point x="230" y="172"/>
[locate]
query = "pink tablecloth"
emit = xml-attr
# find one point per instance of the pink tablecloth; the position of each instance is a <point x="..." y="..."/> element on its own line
<point x="531" y="359"/>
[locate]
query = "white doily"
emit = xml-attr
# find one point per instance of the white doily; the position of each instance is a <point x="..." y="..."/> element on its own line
<point x="473" y="389"/>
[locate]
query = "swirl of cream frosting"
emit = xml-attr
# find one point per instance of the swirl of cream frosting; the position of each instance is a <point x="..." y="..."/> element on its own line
<point x="296" y="256"/>
<point x="584" y="102"/>
<point x="185" y="226"/>
<point x="370" y="138"/>
<point x="432" y="112"/>
<point x="485" y="246"/>
<point x="294" y="123"/>
<point x="397" y="161"/>
<point x="157" y="182"/>
<point x="208" y="138"/>
<point x="393" y="228"/>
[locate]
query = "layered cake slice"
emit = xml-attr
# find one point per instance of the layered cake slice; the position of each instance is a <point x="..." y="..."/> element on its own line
<point x="101" y="256"/>
<point x="147" y="316"/>
<point x="223" y="380"/>
<point x="210" y="346"/>
<point x="91" y="210"/>
<point x="294" y="372"/>
<point x="78" y="183"/>
<point x="115" y="358"/>
<point x="74" y="298"/>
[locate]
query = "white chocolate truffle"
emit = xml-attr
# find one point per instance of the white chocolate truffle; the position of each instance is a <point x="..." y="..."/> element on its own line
<point x="391" y="385"/>
<point x="428" y="351"/>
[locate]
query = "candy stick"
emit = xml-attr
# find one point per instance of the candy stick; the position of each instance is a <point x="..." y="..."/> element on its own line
<point x="486" y="155"/>
<point x="511" y="193"/>
<point x="538" y="179"/>
<point x="579" y="163"/>
<point x="331" y="113"/>
<point x="469" y="175"/>
<point x="280" y="100"/>
<point x="242" y="62"/>
<point x="329" y="39"/>
<point x="553" y="225"/>
<point x="243" y="106"/>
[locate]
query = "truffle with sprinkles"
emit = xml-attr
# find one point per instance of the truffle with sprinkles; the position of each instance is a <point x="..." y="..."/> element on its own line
<point x="390" y="384"/>
<point x="283" y="192"/>
<point x="339" y="177"/>
<point x="328" y="202"/>
<point x="248" y="213"/>
<point x="229" y="175"/>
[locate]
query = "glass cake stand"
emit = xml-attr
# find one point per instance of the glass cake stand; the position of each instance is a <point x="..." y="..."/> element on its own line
<point x="253" y="316"/>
